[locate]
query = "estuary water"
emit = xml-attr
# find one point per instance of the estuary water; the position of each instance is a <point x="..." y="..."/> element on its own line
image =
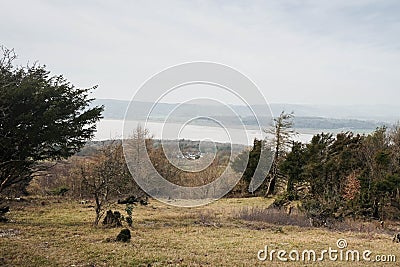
<point x="114" y="129"/>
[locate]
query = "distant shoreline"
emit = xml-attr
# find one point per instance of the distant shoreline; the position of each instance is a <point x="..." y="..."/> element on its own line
<point x="113" y="129"/>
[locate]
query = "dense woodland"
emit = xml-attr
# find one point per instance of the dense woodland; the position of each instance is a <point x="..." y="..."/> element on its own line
<point x="347" y="175"/>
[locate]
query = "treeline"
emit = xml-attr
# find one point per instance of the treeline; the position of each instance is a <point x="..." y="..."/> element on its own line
<point x="66" y="177"/>
<point x="347" y="175"/>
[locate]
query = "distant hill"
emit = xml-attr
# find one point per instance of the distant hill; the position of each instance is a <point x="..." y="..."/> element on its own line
<point x="366" y="117"/>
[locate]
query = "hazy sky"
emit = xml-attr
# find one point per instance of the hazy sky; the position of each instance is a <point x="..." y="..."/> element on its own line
<point x="337" y="52"/>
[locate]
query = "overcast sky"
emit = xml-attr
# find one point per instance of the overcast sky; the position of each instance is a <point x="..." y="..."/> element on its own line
<point x="329" y="52"/>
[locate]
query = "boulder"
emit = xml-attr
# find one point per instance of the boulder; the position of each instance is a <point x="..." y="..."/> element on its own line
<point x="112" y="219"/>
<point x="124" y="235"/>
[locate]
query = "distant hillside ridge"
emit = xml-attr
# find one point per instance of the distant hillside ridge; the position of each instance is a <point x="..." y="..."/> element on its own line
<point x="306" y="116"/>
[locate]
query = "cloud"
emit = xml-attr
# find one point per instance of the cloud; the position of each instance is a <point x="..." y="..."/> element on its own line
<point x="340" y="52"/>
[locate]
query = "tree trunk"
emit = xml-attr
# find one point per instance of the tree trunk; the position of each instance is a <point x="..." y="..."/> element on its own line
<point x="290" y="186"/>
<point x="271" y="186"/>
<point x="272" y="180"/>
<point x="98" y="211"/>
<point x="375" y="209"/>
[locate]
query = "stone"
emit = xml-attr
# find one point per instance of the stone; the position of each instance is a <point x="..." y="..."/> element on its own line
<point x="396" y="238"/>
<point x="124" y="235"/>
<point x="112" y="219"/>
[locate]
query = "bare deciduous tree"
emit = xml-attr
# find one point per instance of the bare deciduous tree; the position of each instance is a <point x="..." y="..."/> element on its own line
<point x="103" y="175"/>
<point x="282" y="139"/>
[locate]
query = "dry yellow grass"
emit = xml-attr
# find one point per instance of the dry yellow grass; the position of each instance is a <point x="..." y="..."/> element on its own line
<point x="60" y="234"/>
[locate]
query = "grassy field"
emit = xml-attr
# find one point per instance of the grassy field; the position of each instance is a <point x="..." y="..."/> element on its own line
<point x="56" y="232"/>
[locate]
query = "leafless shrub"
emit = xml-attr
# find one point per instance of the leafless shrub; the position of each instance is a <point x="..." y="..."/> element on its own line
<point x="359" y="226"/>
<point x="208" y="219"/>
<point x="278" y="216"/>
<point x="274" y="216"/>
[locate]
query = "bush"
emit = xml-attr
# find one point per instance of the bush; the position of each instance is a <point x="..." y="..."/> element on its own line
<point x="3" y="211"/>
<point x="60" y="191"/>
<point x="274" y="216"/>
<point x="281" y="200"/>
<point x="128" y="219"/>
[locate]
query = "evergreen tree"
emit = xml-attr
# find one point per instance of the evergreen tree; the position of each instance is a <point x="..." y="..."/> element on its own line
<point x="42" y="117"/>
